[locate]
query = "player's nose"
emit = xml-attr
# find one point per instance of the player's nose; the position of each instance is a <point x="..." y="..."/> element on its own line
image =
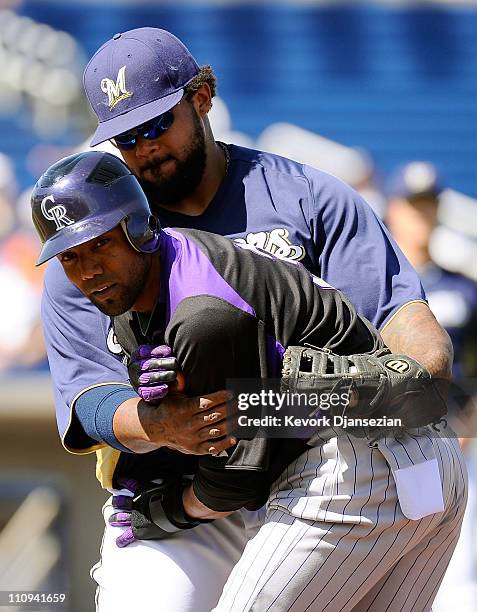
<point x="145" y="147"/>
<point x="89" y="267"/>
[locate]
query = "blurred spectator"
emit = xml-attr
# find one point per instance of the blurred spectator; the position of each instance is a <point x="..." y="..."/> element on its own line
<point x="21" y="339"/>
<point x="454" y="241"/>
<point x="412" y="216"/>
<point x="8" y="193"/>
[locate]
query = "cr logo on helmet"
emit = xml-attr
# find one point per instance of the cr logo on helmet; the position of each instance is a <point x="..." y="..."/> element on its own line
<point x="56" y="213"/>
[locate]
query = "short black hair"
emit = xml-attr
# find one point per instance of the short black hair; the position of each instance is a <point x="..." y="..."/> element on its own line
<point x="206" y="75"/>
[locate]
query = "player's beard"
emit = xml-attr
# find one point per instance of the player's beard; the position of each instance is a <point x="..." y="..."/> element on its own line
<point x="126" y="292"/>
<point x="188" y="174"/>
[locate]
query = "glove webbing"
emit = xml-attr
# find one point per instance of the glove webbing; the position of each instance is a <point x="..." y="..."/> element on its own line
<point x="308" y="367"/>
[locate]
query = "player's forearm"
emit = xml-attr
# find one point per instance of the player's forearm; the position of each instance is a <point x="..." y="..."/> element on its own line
<point x="191" y="425"/>
<point x="135" y="428"/>
<point x="196" y="509"/>
<point x="415" y="331"/>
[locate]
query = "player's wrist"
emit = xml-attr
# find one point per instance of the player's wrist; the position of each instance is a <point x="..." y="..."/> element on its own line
<point x="197" y="510"/>
<point x="133" y="426"/>
<point x="175" y="507"/>
<point x="192" y="507"/>
<point x="163" y="506"/>
<point x="153" y="424"/>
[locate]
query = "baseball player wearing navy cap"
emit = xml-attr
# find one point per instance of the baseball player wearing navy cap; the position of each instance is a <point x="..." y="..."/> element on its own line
<point x="259" y="200"/>
<point x="130" y="99"/>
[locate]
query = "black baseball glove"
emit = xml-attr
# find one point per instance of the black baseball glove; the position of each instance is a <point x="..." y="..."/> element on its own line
<point x="367" y="386"/>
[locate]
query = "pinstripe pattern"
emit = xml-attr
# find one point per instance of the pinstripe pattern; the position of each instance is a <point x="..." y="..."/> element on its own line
<point x="335" y="538"/>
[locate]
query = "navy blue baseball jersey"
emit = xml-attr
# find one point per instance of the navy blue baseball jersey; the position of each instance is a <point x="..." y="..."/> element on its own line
<point x="287" y="209"/>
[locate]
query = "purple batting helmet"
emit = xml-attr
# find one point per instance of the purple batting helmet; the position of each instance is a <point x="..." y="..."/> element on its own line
<point x="84" y="196"/>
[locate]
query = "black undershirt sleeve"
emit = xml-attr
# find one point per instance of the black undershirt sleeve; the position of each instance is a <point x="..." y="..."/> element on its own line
<point x="215" y="341"/>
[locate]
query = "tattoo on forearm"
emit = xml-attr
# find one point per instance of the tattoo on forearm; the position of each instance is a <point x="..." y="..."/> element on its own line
<point x="154" y="429"/>
<point x="415" y="332"/>
<point x="152" y="420"/>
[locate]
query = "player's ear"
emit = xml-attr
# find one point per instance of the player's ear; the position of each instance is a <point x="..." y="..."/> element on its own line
<point x="202" y="100"/>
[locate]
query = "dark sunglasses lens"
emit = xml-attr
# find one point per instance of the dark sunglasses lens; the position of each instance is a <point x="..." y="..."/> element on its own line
<point x="158" y="126"/>
<point x="150" y="130"/>
<point x="125" y="141"/>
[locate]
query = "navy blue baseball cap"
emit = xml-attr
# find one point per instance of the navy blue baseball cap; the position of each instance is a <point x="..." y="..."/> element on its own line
<point x="134" y="77"/>
<point x="416" y="180"/>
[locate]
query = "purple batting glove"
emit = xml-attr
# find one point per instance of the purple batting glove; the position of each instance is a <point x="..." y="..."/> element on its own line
<point x="123" y="503"/>
<point x="133" y="515"/>
<point x="150" y="369"/>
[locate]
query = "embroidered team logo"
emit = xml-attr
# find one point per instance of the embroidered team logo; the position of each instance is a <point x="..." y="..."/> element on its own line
<point x="116" y="91"/>
<point x="114" y="347"/>
<point x="397" y="365"/>
<point x="55" y="212"/>
<point x="276" y="242"/>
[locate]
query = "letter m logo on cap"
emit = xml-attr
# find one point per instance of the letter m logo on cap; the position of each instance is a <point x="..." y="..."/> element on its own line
<point x="116" y="91"/>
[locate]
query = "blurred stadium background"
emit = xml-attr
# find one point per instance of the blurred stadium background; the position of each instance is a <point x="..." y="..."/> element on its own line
<point x="355" y="88"/>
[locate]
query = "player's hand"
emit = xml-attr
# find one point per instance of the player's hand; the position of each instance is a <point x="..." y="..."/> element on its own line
<point x="153" y="372"/>
<point x="151" y="512"/>
<point x="192" y="425"/>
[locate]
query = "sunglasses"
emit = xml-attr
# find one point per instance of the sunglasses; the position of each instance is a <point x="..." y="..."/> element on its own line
<point x="149" y="130"/>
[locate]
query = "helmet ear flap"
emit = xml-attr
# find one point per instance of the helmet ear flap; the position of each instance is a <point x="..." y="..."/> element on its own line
<point x="153" y="223"/>
<point x="142" y="231"/>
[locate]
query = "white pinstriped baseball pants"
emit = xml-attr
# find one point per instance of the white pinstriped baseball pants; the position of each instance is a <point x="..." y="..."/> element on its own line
<point x="336" y="540"/>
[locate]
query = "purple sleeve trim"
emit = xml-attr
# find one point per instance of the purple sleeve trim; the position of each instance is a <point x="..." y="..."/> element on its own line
<point x="274" y="357"/>
<point x="193" y="274"/>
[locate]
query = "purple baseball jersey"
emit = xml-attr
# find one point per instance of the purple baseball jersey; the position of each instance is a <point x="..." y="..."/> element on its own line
<point x="223" y="311"/>
<point x="283" y="207"/>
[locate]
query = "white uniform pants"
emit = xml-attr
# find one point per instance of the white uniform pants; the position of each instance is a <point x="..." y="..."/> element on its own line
<point x="185" y="573"/>
<point x="335" y="538"/>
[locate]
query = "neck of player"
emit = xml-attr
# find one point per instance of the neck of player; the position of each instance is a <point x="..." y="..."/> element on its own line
<point x="215" y="170"/>
<point x="149" y="296"/>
